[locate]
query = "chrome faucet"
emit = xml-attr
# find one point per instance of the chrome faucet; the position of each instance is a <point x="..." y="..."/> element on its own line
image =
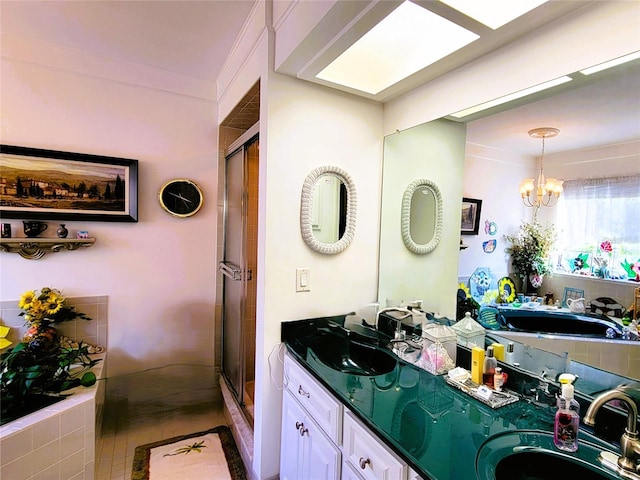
<point x="627" y="462"/>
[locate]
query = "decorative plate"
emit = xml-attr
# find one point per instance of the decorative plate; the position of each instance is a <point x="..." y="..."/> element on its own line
<point x="507" y="289"/>
<point x="482" y="282"/>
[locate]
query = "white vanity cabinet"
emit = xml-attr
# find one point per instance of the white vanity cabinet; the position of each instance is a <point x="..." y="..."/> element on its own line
<point x="306" y="452"/>
<point x="322" y="440"/>
<point x="367" y="455"/>
<point x="311" y="428"/>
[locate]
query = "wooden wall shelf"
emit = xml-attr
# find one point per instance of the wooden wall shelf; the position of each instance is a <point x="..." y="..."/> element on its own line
<point x="35" y="248"/>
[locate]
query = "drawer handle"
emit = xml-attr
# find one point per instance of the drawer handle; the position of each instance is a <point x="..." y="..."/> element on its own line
<point x="364" y="462"/>
<point x="302" y="392"/>
<point x="301" y="429"/>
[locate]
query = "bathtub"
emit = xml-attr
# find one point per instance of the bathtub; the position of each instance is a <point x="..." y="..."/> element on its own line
<point x="58" y="441"/>
<point x="557" y="321"/>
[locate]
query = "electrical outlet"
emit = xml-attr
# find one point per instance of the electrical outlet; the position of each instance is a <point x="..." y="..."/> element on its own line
<point x="303" y="279"/>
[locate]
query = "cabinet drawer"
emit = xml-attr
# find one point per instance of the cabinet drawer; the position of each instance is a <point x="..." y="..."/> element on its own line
<point x="368" y="455"/>
<point x="320" y="404"/>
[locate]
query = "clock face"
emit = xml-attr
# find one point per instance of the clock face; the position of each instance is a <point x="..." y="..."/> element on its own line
<point x="181" y="197"/>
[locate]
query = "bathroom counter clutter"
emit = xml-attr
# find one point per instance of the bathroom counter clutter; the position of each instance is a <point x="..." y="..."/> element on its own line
<point x="436" y="428"/>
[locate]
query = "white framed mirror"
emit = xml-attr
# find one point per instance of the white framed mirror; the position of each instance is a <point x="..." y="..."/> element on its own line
<point x="328" y="210"/>
<point x="421" y="216"/>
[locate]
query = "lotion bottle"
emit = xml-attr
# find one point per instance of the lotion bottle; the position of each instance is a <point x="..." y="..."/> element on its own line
<point x="489" y="367"/>
<point x="567" y="421"/>
<point x="510" y="356"/>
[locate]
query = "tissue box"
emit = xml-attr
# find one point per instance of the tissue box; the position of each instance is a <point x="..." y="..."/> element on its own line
<point x="438" y="349"/>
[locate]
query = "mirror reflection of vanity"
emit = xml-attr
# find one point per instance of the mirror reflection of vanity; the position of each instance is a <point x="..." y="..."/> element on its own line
<point x="415" y="153"/>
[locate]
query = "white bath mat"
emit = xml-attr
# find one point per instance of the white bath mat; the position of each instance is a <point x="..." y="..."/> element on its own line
<point x="203" y="455"/>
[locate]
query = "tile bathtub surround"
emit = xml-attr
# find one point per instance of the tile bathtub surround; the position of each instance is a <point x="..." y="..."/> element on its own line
<point x="56" y="442"/>
<point x="92" y="332"/>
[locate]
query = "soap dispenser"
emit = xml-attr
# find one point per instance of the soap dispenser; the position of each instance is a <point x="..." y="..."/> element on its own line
<point x="567" y="421"/>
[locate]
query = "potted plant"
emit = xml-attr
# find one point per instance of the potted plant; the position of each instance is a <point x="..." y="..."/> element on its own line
<point x="41" y="365"/>
<point x="530" y="251"/>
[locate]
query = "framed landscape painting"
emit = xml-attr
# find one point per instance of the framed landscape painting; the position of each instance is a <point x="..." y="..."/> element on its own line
<point x="470" y="216"/>
<point x="52" y="185"/>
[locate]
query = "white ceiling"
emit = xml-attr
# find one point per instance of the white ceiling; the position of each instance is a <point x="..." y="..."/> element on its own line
<point x="189" y="37"/>
<point x="193" y="38"/>
<point x="602" y="111"/>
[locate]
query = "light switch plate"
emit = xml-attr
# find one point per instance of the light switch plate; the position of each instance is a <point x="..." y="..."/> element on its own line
<point x="303" y="279"/>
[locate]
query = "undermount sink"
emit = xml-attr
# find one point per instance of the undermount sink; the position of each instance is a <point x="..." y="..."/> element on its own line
<point x="531" y="455"/>
<point x="341" y="353"/>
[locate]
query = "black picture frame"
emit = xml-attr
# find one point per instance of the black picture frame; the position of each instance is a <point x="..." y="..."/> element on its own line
<point x="470" y="216"/>
<point x="53" y="185"/>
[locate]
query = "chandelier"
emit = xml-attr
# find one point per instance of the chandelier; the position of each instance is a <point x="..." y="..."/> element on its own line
<point x="546" y="191"/>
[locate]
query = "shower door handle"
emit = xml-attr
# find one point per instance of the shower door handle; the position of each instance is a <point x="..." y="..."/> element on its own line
<point x="233" y="272"/>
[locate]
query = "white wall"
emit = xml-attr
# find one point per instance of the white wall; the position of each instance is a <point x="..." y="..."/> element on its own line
<point x="493" y="175"/>
<point x="157" y="272"/>
<point x="309" y="126"/>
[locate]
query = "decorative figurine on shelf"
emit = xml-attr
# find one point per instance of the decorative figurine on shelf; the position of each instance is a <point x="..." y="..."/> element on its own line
<point x="62" y="231"/>
<point x="33" y="228"/>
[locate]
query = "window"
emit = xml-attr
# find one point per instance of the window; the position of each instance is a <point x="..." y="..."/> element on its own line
<point x="598" y="222"/>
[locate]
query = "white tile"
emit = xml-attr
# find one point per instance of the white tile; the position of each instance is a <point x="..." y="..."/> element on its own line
<point x="72" y="465"/>
<point x="44" y="457"/>
<point x="72" y="419"/>
<point x="51" y="473"/>
<point x="72" y="443"/>
<point x="19" y="469"/>
<point x="46" y="431"/>
<point x="16" y="445"/>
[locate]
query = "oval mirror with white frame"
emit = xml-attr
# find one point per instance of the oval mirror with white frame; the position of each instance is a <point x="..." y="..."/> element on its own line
<point x="421" y="216"/>
<point x="328" y="210"/>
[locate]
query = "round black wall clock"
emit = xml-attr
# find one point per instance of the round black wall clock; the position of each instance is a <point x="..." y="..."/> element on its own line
<point x="181" y="197"/>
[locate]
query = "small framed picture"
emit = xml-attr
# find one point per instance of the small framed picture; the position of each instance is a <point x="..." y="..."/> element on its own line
<point x="470" y="216"/>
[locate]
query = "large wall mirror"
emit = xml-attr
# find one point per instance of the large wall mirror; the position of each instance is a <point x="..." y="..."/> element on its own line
<point x="411" y="152"/>
<point x="328" y="210"/>
<point x="422" y="216"/>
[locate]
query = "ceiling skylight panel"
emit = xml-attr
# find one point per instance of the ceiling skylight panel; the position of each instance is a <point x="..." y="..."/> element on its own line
<point x="406" y="41"/>
<point x="494" y="13"/>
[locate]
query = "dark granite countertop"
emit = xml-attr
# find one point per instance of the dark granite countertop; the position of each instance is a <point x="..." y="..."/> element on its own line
<point x="436" y="428"/>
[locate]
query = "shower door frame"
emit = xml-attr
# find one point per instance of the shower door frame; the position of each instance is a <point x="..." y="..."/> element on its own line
<point x="231" y="273"/>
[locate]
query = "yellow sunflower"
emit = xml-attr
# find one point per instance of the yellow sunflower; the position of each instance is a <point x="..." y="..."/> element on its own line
<point x="26" y="299"/>
<point x="37" y="308"/>
<point x="465" y="289"/>
<point x="53" y="303"/>
<point x="507" y="290"/>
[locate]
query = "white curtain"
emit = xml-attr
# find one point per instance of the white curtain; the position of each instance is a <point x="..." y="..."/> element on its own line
<point x="593" y="210"/>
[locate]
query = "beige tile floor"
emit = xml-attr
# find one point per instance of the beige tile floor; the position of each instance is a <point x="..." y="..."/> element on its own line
<point x="154" y="405"/>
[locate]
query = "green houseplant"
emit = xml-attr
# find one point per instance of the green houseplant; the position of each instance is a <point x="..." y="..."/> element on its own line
<point x="42" y="365"/>
<point x="530" y="251"/>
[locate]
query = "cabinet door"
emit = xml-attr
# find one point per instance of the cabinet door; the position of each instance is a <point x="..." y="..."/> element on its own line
<point x="306" y="453"/>
<point x="291" y="441"/>
<point x="321" y="456"/>
<point x="349" y="473"/>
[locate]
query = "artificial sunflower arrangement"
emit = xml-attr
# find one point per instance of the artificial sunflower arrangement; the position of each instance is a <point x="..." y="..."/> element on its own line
<point x="41" y="364"/>
<point x="46" y="306"/>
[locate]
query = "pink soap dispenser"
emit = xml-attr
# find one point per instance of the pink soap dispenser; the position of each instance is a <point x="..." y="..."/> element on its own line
<point x="567" y="421"/>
